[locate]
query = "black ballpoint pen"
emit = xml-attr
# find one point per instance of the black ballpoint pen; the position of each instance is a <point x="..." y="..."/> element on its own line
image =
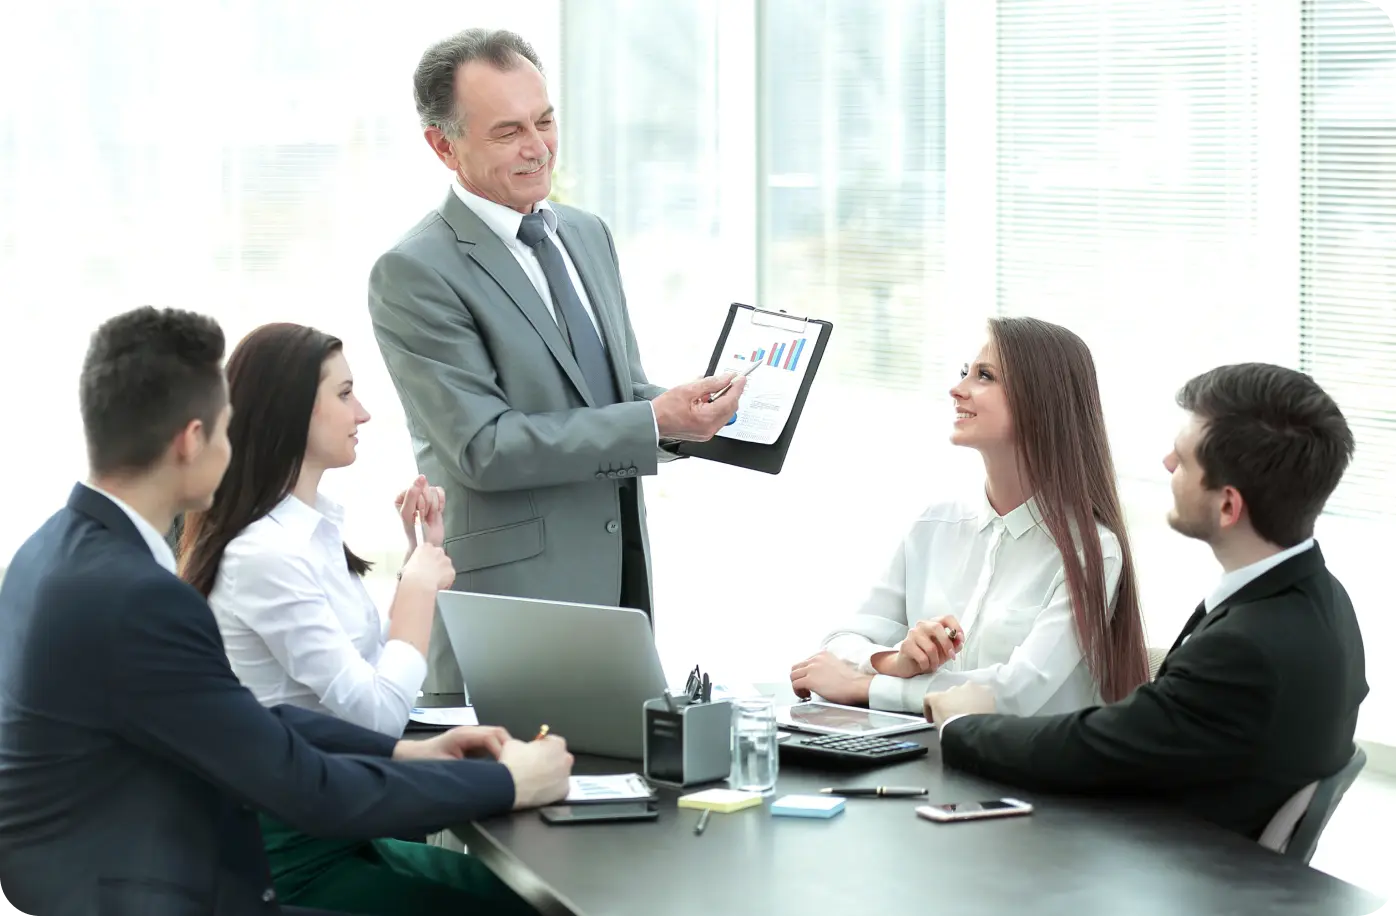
<point x="879" y="791"/>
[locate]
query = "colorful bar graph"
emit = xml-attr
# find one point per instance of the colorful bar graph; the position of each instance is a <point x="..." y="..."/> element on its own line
<point x="794" y="359"/>
<point x="783" y="354"/>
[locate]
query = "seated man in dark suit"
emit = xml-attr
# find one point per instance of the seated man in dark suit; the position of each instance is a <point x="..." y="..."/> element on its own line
<point x="130" y="757"/>
<point x="1258" y="697"/>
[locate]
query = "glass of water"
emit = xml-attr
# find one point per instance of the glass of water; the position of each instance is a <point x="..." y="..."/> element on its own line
<point x="755" y="757"/>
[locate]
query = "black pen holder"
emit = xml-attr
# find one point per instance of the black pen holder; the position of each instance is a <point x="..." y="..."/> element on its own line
<point x="688" y="744"/>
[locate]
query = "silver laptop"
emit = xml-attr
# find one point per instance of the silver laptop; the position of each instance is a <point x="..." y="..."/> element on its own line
<point x="583" y="669"/>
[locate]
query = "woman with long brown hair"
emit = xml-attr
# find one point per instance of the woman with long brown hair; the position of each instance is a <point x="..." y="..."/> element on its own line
<point x="1030" y="587"/>
<point x="298" y="625"/>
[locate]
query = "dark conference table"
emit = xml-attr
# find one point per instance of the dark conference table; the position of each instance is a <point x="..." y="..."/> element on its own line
<point x="1072" y="856"/>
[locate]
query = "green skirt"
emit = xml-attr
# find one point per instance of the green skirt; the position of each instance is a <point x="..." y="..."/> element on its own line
<point x="382" y="877"/>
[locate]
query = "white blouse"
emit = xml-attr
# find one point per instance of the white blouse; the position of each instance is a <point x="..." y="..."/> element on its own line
<point x="300" y="628"/>
<point x="1002" y="578"/>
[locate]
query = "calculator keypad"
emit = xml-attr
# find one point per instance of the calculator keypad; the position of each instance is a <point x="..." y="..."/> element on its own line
<point x="853" y="747"/>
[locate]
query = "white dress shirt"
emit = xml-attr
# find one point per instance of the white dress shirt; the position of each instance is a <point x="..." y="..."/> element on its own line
<point x="504" y="222"/>
<point x="1229" y="584"/>
<point x="300" y="628"/>
<point x="1002" y="578"/>
<point x="1237" y="579"/>
<point x="159" y="547"/>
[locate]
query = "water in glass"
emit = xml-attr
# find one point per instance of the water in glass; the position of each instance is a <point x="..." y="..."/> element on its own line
<point x="755" y="759"/>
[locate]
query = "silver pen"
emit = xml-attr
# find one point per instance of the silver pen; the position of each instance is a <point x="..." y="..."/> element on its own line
<point x="750" y="369"/>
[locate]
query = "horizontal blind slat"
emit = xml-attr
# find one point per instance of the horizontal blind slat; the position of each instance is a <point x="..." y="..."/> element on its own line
<point x="1348" y="234"/>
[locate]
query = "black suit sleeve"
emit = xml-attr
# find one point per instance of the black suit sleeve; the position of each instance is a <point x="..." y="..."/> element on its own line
<point x="173" y="694"/>
<point x="333" y="735"/>
<point x="1198" y="722"/>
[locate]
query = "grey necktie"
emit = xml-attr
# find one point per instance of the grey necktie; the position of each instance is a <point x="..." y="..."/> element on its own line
<point x="572" y="317"/>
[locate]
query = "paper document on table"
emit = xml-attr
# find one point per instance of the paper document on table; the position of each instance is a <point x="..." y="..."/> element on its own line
<point x="622" y="787"/>
<point x="444" y="716"/>
<point x="783" y="346"/>
<point x="736" y="690"/>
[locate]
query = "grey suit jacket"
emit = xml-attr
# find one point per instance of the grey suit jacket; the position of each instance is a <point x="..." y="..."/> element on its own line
<point x="500" y="416"/>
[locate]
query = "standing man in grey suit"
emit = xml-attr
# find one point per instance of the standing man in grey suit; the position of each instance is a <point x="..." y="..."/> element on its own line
<point x="503" y="323"/>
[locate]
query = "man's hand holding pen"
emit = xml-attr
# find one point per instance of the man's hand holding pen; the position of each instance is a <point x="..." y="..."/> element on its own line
<point x="540" y="768"/>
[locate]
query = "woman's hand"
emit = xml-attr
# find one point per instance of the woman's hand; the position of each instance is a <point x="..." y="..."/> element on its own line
<point x="424" y="503"/>
<point x="832" y="678"/>
<point x="929" y="644"/>
<point x="429" y="570"/>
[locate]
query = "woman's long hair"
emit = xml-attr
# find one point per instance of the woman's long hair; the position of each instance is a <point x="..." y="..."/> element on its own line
<point x="274" y="375"/>
<point x="1049" y="378"/>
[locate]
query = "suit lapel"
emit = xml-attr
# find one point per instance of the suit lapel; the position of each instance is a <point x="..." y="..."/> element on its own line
<point x="489" y="252"/>
<point x="1271" y="582"/>
<point x="585" y="258"/>
<point x="1199" y="617"/>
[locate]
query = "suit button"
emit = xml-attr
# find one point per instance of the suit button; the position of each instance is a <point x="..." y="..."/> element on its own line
<point x="613" y="474"/>
<point x="629" y="472"/>
<point x="600" y="475"/>
<point x="612" y="526"/>
<point x="268" y="895"/>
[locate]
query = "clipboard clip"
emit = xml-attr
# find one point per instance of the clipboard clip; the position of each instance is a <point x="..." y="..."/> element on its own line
<point x="778" y="319"/>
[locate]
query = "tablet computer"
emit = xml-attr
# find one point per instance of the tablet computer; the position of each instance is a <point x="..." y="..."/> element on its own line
<point x="832" y="719"/>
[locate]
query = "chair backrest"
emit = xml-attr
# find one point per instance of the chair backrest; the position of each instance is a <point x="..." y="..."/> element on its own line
<point x="1297" y="826"/>
<point x="1155" y="659"/>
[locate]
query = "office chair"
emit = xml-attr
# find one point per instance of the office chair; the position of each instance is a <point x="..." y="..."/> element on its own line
<point x="1155" y="659"/>
<point x="1296" y="827"/>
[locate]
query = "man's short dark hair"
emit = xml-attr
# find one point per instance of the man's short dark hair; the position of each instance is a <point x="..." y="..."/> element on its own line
<point x="1274" y="435"/>
<point x="434" y="83"/>
<point x="147" y="374"/>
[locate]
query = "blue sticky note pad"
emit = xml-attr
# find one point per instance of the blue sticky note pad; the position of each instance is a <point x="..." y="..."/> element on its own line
<point x="807" y="806"/>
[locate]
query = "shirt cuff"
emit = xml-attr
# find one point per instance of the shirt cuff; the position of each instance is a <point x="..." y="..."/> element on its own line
<point x="401" y="665"/>
<point x="654" y="417"/>
<point x="940" y="727"/>
<point x="889" y="693"/>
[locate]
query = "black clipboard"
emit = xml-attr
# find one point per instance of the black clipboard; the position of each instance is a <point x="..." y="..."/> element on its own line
<point x="768" y="459"/>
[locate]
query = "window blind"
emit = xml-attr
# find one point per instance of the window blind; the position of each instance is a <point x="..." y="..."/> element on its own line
<point x="1348" y="226"/>
<point x="248" y="160"/>
<point x="639" y="116"/>
<point x="1128" y="153"/>
<point x="853" y="144"/>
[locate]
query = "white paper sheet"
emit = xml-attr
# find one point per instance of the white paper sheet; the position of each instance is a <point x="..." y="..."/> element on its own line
<point x="784" y="347"/>
<point x="445" y="716"/>
<point x="621" y="787"/>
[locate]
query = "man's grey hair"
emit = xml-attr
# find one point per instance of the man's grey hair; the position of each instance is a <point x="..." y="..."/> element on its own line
<point x="434" y="83"/>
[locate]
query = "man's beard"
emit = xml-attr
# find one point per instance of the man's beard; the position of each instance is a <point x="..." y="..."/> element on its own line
<point x="1190" y="527"/>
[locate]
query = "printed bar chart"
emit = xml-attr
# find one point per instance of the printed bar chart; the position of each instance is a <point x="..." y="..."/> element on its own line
<point x="784" y="354"/>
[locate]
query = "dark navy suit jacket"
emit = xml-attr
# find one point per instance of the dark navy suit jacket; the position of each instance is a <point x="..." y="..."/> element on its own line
<point x="132" y="761"/>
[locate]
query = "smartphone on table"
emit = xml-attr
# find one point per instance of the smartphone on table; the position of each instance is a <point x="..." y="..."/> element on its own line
<point x="974" y="811"/>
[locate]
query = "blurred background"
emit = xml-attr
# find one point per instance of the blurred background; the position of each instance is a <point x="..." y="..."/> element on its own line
<point x="1182" y="182"/>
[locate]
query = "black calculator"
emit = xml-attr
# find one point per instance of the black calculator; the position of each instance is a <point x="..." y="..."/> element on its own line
<point x="848" y="750"/>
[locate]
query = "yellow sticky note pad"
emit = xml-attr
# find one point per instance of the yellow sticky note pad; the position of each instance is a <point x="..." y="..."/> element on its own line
<point x="723" y="801"/>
